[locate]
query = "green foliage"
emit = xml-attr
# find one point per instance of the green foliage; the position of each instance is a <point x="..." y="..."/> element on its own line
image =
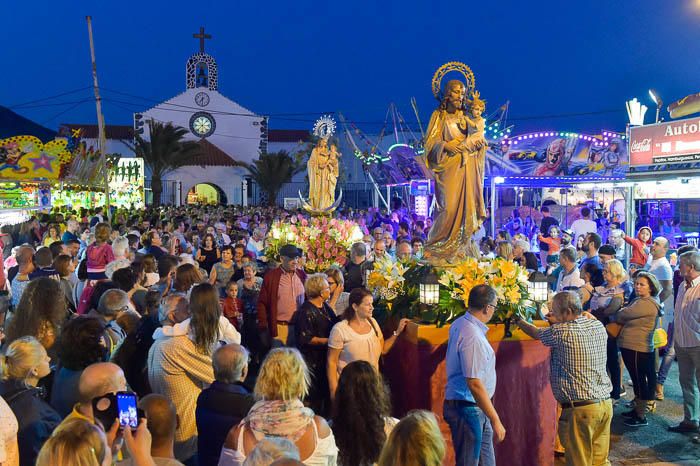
<point x="272" y="170"/>
<point x="164" y="152"/>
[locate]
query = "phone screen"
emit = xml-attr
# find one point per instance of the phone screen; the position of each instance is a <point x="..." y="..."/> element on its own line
<point x="128" y="412"/>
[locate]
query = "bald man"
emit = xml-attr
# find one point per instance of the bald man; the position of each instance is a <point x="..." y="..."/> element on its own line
<point x="97" y="379"/>
<point x="162" y="423"/>
<point x="224" y="403"/>
<point x="658" y="264"/>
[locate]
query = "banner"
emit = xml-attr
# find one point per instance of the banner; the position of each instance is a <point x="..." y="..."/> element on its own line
<point x="26" y="158"/>
<point x="675" y="142"/>
<point x="553" y="153"/>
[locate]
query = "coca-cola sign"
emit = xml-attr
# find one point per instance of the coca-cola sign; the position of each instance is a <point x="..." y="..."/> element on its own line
<point x="665" y="143"/>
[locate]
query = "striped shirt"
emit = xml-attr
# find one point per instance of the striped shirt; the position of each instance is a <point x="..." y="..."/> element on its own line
<point x="577" y="363"/>
<point x="686" y="329"/>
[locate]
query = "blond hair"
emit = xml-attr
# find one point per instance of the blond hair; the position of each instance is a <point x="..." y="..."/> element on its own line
<point x="415" y="441"/>
<point x="616" y="269"/>
<point x="314" y="284"/>
<point x="76" y="442"/>
<point x="20" y="357"/>
<point x="284" y="376"/>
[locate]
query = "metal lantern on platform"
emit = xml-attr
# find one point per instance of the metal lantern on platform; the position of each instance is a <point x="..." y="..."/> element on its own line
<point x="538" y="287"/>
<point x="429" y="289"/>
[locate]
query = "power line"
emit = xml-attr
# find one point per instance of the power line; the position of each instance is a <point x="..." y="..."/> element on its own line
<point x="49" y="98"/>
<point x="64" y="111"/>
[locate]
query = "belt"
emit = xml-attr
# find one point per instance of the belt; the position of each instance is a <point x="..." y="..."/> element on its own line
<point x="459" y="403"/>
<point x="577" y="404"/>
<point x="283" y="322"/>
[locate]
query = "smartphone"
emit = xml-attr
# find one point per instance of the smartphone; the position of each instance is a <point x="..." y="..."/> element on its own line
<point x="128" y="410"/>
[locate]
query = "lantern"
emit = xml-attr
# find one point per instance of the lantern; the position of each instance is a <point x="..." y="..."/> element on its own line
<point x="429" y="289"/>
<point x="538" y="287"/>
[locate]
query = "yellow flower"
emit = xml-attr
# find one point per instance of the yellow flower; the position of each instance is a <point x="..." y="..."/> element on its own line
<point x="513" y="295"/>
<point x="508" y="269"/>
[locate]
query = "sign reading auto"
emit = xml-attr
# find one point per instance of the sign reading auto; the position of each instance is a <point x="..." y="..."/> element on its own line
<point x="664" y="143"/>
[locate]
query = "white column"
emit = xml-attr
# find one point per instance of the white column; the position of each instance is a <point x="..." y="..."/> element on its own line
<point x="244" y="192"/>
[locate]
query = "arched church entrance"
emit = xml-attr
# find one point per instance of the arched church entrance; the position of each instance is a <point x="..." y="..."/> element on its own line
<point x="206" y="194"/>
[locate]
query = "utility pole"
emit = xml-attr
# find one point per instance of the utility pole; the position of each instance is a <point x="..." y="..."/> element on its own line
<point x="101" y="137"/>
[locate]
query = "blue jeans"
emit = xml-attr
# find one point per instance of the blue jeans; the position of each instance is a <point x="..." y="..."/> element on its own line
<point x="472" y="435"/>
<point x="668" y="358"/>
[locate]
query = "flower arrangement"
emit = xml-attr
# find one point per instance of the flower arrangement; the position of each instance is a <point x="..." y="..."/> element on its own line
<point x="386" y="280"/>
<point x="325" y="241"/>
<point x="506" y="277"/>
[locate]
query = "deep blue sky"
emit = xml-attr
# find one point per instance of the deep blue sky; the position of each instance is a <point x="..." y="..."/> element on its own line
<point x="356" y="56"/>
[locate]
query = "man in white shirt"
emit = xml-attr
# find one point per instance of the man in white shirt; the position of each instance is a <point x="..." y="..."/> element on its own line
<point x="583" y="226"/>
<point x="687" y="340"/>
<point x="659" y="265"/>
<point x="570" y="276"/>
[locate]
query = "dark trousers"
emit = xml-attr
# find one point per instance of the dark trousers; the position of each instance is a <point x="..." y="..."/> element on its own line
<point x="642" y="371"/>
<point x="472" y="435"/>
<point x="613" y="365"/>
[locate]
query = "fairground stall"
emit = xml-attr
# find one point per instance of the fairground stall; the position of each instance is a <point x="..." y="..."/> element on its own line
<point x="564" y="170"/>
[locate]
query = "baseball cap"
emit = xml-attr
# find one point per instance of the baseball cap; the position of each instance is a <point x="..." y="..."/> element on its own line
<point x="289" y="250"/>
<point x="607" y="250"/>
<point x="568" y="231"/>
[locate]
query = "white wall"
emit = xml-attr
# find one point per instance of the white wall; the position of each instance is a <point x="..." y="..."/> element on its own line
<point x="237" y="135"/>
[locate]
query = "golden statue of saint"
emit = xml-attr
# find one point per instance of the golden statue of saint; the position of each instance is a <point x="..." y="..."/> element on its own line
<point x="323" y="175"/>
<point x="455" y="151"/>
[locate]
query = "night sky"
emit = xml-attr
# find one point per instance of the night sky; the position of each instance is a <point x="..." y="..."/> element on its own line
<point x="305" y="58"/>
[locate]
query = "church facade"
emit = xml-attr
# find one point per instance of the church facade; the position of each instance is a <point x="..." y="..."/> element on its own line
<point x="228" y="133"/>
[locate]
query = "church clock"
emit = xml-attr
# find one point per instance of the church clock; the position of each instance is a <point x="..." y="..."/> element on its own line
<point x="202" y="124"/>
<point x="201" y="99"/>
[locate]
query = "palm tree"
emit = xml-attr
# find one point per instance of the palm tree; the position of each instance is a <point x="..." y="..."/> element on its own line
<point x="164" y="152"/>
<point x="272" y="170"/>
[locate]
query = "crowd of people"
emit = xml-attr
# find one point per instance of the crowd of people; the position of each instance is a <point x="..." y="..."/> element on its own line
<point x="240" y="359"/>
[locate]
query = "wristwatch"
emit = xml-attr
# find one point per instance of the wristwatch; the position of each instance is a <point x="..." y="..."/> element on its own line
<point x="396" y="334"/>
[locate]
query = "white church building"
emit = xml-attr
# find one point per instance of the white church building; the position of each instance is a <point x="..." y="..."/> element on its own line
<point x="227" y="132"/>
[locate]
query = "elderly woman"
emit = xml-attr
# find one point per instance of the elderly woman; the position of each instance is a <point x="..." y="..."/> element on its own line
<point x="357" y="337"/>
<point x="248" y="291"/>
<point x="605" y="301"/>
<point x="339" y="297"/>
<point x="312" y="324"/>
<point x="282" y="383"/>
<point x="636" y="342"/>
<point x="23" y="364"/>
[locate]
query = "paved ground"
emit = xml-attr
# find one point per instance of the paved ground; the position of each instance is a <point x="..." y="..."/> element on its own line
<point x="653" y="444"/>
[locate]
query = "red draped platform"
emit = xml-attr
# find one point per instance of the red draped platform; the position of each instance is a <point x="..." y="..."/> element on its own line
<point x="415" y="370"/>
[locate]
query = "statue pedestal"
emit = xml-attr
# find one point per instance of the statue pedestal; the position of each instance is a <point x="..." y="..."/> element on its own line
<point x="415" y="371"/>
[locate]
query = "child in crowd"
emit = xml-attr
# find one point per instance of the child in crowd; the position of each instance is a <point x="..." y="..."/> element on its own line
<point x="232" y="305"/>
<point x="640" y="247"/>
<point x="554" y="243"/>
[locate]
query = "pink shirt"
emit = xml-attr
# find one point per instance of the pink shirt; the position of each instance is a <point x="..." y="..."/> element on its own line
<point x="290" y="295"/>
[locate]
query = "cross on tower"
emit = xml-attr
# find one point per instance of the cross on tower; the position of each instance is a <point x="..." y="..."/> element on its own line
<point x="201" y="36"/>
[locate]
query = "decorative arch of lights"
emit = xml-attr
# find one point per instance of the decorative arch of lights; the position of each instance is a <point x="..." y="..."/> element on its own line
<point x="212" y="70"/>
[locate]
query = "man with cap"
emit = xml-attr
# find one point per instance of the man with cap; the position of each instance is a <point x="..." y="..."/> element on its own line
<point x="606" y="253"/>
<point x="282" y="292"/>
<point x="567" y="235"/>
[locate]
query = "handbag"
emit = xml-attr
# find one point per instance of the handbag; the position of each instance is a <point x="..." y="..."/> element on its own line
<point x="660" y="338"/>
<point x="613" y="329"/>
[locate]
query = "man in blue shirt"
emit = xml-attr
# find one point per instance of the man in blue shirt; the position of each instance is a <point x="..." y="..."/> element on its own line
<point x="591" y="244"/>
<point x="471" y="383"/>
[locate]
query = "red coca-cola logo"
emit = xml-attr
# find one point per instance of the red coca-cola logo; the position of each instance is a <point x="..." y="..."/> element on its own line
<point x="641" y="146"/>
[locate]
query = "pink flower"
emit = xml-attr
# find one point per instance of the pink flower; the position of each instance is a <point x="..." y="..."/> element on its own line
<point x="311" y="256"/>
<point x="304" y="222"/>
<point x="327" y="254"/>
<point x="328" y="245"/>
